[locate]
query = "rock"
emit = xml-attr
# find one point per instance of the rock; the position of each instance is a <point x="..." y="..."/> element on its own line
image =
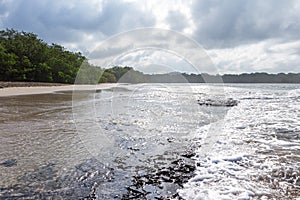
<point x="218" y="102"/>
<point x="189" y="154"/>
<point x="9" y="163"/>
<point x="88" y="179"/>
<point x="174" y="175"/>
<point x="170" y="139"/>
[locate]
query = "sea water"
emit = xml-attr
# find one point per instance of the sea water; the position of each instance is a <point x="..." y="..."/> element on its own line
<point x="248" y="151"/>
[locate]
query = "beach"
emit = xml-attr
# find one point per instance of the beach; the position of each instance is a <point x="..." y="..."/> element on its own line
<point x="28" y="88"/>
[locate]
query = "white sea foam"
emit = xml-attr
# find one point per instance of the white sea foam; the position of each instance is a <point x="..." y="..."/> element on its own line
<point x="253" y="156"/>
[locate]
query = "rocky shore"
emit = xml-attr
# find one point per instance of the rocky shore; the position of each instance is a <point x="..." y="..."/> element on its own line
<point x="163" y="183"/>
<point x="87" y="181"/>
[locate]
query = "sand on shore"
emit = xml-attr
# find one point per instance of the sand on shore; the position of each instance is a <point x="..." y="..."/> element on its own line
<point x="15" y="91"/>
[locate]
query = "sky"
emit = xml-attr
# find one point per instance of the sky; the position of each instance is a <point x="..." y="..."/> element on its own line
<point x="238" y="36"/>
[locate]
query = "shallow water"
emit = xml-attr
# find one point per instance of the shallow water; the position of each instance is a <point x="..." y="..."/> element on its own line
<point x="257" y="153"/>
<point x="37" y="130"/>
<point x="61" y="144"/>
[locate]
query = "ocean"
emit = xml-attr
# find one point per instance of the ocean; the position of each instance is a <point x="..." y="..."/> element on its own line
<point x="153" y="141"/>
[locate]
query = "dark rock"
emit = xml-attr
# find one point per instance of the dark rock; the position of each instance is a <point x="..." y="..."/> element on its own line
<point x="154" y="184"/>
<point x="218" y="102"/>
<point x="159" y="179"/>
<point x="9" y="163"/>
<point x="189" y="154"/>
<point x="133" y="149"/>
<point x="92" y="195"/>
<point x="170" y="139"/>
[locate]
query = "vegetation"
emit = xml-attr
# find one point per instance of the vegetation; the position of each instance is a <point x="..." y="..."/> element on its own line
<point x="227" y="78"/>
<point x="262" y="78"/>
<point x="25" y="57"/>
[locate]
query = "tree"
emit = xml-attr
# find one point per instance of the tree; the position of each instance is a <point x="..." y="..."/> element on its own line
<point x="7" y="63"/>
<point x="109" y="77"/>
<point x="25" y="57"/>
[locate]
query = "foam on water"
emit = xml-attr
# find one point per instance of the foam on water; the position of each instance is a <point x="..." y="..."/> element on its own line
<point x="256" y="154"/>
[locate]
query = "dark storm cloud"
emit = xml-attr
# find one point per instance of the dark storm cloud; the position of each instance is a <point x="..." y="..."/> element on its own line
<point x="222" y="24"/>
<point x="67" y="21"/>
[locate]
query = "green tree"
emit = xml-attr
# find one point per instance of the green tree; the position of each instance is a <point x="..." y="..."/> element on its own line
<point x="109" y="77"/>
<point x="7" y="63"/>
<point x="35" y="60"/>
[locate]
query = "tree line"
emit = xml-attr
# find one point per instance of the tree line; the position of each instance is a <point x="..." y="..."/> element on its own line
<point x="25" y="57"/>
<point x="257" y="77"/>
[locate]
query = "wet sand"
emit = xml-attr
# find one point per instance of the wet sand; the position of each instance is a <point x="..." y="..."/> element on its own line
<point x="35" y="89"/>
<point x="4" y="84"/>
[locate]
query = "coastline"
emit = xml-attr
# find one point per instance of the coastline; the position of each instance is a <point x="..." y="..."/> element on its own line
<point x="6" y="84"/>
<point x="29" y="88"/>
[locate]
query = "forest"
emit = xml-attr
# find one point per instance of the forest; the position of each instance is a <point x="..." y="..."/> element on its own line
<point x="25" y="57"/>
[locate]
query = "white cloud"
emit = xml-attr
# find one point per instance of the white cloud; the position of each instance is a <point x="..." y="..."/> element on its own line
<point x="266" y="56"/>
<point x="241" y="35"/>
<point x="155" y="61"/>
<point x="223" y="24"/>
<point x="159" y="43"/>
<point x="74" y="22"/>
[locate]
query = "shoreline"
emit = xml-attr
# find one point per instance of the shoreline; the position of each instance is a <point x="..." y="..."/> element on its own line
<point x="8" y="84"/>
<point x="30" y="88"/>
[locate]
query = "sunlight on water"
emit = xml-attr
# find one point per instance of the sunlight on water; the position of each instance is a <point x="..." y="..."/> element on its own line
<point x="249" y="151"/>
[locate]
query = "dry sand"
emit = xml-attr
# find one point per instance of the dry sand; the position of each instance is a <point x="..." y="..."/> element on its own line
<point x="14" y="91"/>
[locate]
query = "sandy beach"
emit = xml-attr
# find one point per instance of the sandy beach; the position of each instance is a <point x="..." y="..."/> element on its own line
<point x="28" y="90"/>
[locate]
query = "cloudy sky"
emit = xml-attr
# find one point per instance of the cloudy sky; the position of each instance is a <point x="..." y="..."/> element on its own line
<point x="238" y="35"/>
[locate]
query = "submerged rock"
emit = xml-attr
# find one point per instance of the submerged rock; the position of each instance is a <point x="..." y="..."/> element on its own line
<point x="158" y="177"/>
<point x="218" y="102"/>
<point x="9" y="163"/>
<point x="46" y="183"/>
<point x="163" y="182"/>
